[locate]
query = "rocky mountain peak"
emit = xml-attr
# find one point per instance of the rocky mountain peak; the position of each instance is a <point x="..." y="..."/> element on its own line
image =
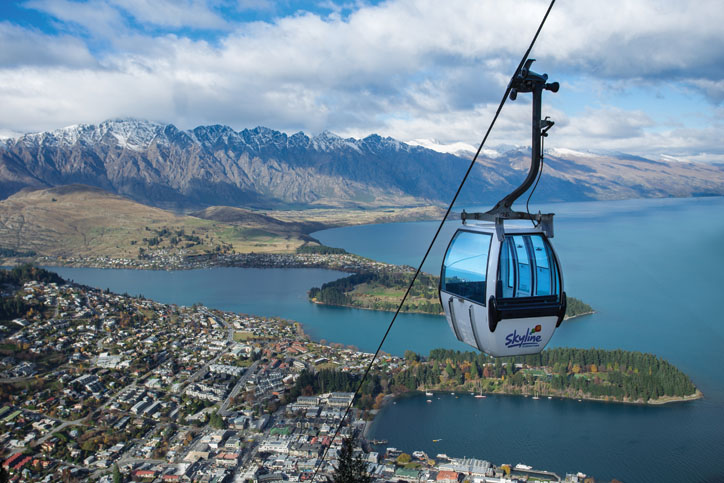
<point x="161" y="165"/>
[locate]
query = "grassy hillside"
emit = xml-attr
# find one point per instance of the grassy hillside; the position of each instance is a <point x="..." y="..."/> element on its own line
<point x="83" y="221"/>
<point x="334" y="217"/>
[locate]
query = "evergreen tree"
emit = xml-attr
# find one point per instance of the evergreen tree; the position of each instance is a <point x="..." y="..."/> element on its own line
<point x="117" y="478"/>
<point x="350" y="469"/>
<point x="216" y="421"/>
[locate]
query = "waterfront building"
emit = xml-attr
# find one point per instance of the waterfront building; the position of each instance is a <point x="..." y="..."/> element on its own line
<point x="467" y="466"/>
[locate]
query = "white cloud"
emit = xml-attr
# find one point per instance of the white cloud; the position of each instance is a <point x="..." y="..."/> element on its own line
<point x="646" y="38"/>
<point x="607" y="123"/>
<point x="95" y="16"/>
<point x="714" y="88"/>
<point x="21" y="46"/>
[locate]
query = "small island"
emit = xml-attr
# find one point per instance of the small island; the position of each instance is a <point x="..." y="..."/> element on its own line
<point x="383" y="290"/>
<point x="593" y="374"/>
<point x="615" y="376"/>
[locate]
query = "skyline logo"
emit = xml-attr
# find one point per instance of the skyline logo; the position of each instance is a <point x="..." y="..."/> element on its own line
<point x="529" y="339"/>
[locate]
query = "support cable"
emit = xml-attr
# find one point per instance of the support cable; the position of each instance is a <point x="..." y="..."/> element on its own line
<point x="434" y="238"/>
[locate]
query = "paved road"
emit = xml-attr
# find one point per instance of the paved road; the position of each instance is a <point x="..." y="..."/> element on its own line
<point x="242" y="381"/>
<point x="64" y="424"/>
<point x="12" y="380"/>
<point x="125" y="461"/>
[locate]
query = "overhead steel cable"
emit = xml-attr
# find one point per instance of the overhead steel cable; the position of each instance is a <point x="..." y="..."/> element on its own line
<point x="434" y="238"/>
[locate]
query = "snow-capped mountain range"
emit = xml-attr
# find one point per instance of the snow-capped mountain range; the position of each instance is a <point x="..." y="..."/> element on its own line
<point x="161" y="165"/>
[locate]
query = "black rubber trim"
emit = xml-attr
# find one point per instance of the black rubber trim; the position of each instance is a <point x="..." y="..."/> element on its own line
<point x="473" y="325"/>
<point x="493" y="314"/>
<point x="564" y="306"/>
<point x="452" y="318"/>
<point x="524" y="307"/>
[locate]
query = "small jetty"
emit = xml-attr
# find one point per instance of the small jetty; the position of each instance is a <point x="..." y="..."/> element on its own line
<point x="530" y="472"/>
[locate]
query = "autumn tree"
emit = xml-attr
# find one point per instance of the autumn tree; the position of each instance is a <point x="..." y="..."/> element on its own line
<point x="411" y="356"/>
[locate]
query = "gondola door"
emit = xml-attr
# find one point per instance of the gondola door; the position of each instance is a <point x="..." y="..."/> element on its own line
<point x="464" y="285"/>
<point x="529" y="302"/>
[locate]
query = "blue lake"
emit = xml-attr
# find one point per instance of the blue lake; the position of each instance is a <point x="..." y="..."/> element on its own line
<point x="653" y="270"/>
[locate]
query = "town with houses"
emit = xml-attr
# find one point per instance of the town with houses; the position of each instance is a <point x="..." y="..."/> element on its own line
<point x="165" y="259"/>
<point x="97" y="386"/>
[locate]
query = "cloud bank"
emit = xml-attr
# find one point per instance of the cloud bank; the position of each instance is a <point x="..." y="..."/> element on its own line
<point x="643" y="77"/>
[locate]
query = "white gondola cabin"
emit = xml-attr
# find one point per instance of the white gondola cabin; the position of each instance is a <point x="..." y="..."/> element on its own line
<point x="503" y="297"/>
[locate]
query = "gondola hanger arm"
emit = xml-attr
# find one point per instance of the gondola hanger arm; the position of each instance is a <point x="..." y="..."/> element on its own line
<point x="524" y="81"/>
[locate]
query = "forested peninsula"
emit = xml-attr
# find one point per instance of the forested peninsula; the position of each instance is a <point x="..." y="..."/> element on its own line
<point x="384" y="290"/>
<point x="593" y="374"/>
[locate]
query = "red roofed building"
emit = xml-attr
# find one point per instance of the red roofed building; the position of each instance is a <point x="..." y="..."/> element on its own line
<point x="12" y="460"/>
<point x="230" y="459"/>
<point x="447" y="477"/>
<point x="22" y="463"/>
<point x="41" y="463"/>
<point x="144" y="474"/>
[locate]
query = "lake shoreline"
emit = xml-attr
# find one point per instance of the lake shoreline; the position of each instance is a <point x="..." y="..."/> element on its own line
<point x="441" y="314"/>
<point x="668" y="400"/>
<point x="317" y="302"/>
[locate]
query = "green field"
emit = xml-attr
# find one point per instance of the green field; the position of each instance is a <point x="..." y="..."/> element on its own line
<point x="243" y="336"/>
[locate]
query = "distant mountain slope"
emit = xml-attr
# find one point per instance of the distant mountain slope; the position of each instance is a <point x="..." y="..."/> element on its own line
<point x="250" y="219"/>
<point x="163" y="166"/>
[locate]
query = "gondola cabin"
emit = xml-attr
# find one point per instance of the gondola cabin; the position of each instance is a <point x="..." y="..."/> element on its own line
<point x="502" y="294"/>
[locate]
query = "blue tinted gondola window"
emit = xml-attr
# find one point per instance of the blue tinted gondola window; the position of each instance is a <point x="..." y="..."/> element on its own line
<point x="527" y="267"/>
<point x="466" y="264"/>
<point x="507" y="271"/>
<point x="525" y="276"/>
<point x="544" y="282"/>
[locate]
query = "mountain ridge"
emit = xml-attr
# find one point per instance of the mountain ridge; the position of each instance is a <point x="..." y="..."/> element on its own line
<point x="161" y="165"/>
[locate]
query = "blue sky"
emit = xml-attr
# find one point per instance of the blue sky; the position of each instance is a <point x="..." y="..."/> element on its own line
<point x="644" y="77"/>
